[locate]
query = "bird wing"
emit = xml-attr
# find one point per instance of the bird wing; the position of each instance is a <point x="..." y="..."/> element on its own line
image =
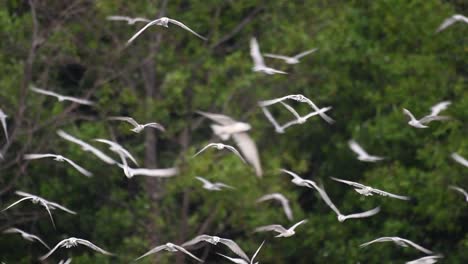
<point x="458" y="158"/>
<point x="39" y="156"/>
<point x="383" y="193"/>
<point x="355" y="184"/>
<point x="59" y="244"/>
<point x="4" y="124"/>
<point x="234" y="150"/>
<point x="276" y="228"/>
<point x="92" y="246"/>
<point x="63" y="208"/>
<point x="116" y="147"/>
<point x="182" y="25"/>
<point x="220" y="184"/>
<point x="459" y="190"/>
<point x="119" y="18"/>
<point x="428" y="119"/>
<point x="13" y="230"/>
<point x="154" y="22"/>
<point x="256" y="252"/>
<point x="307" y="52"/>
<point x="408" y="113"/>
<point x="218" y="118"/>
<point x="272" y="101"/>
<point x="234" y="248"/>
<point x="45" y="92"/>
<point x="446" y="23"/>
<point x="45" y="203"/>
<point x="78" y="167"/>
<point x="298" y="224"/>
<point x="196" y="240"/>
<point x="357" y="148"/>
<point x="203" y="149"/>
<point x="381" y="239"/>
<point x="425" y="260"/>
<point x="17" y="202"/>
<point x="152" y="251"/>
<point x="255" y="53"/>
<point x="364" y="214"/>
<point x="181" y="249"/>
<point x="155" y="125"/>
<point x="77" y="100"/>
<point x="168" y="172"/>
<point x="141" y="19"/>
<point x="205" y="181"/>
<point x="319" y="110"/>
<point x="270" y="118"/>
<point x="126" y="119"/>
<point x="249" y="149"/>
<point x="327" y="199"/>
<point x="40" y="240"/>
<point x="234" y="260"/>
<point x="291" y="109"/>
<point x="439" y="107"/>
<point x="416" y="246"/>
<point x="294" y="175"/>
<point x="86" y="147"/>
<point x="287" y="208"/>
<point x="276" y="56"/>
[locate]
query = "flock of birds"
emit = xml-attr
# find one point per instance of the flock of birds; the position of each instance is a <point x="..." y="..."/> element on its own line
<point x="225" y="128"/>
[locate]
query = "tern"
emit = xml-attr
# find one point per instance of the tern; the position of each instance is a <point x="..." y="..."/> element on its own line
<point x="117" y="148"/>
<point x="214" y="240"/>
<point x="283" y="200"/>
<point x="400" y="242"/>
<point x="303" y="119"/>
<point x="451" y="20"/>
<point x="242" y="261"/>
<point x="25" y="235"/>
<point x="60" y="97"/>
<point x="58" y="158"/>
<point x="73" y="242"/>
<point x="163" y="21"/>
<point x="421" y="123"/>
<point x="425" y="260"/>
<point x="362" y="154"/>
<point x="138" y="127"/>
<point x="291" y="60"/>
<point x="460" y="190"/>
<point x="130" y="20"/>
<point x="458" y="158"/>
<point x="221" y="146"/>
<point x="259" y="63"/>
<point x="171" y="248"/>
<point x="213" y="186"/>
<point x="86" y="147"/>
<point x="3" y="118"/>
<point x="283" y="232"/>
<point x="41" y="201"/>
<point x="368" y="191"/>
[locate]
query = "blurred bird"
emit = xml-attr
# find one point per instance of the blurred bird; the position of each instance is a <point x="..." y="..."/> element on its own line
<point x="302" y="119"/>
<point x="242" y="261"/>
<point x="163" y="21"/>
<point x="458" y="158"/>
<point x="400" y="242"/>
<point x="259" y="63"/>
<point x="171" y="248"/>
<point x="215" y="186"/>
<point x="439" y="107"/>
<point x="300" y="181"/>
<point x="137" y="127"/>
<point x="25" y="235"/>
<point x="283" y="200"/>
<point x="460" y="190"/>
<point x="227" y="126"/>
<point x="73" y="242"/>
<point x="367" y="191"/>
<point x="451" y="20"/>
<point x="60" y="97"/>
<point x="58" y="158"/>
<point x="283" y="232"/>
<point x="215" y="240"/>
<point x="3" y="118"/>
<point x="221" y="146"/>
<point x="362" y="154"/>
<point x="290" y="60"/>
<point x="117" y="148"/>
<point x="421" y="123"/>
<point x="425" y="260"/>
<point x="130" y="20"/>
<point x="130" y="172"/>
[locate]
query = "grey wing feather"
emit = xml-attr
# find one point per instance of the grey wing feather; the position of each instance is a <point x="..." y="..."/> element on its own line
<point x="196" y="240"/>
<point x="181" y="249"/>
<point x="203" y="149"/>
<point x="355" y="184"/>
<point x="307" y="52"/>
<point x="154" y="22"/>
<point x="126" y="119"/>
<point x="327" y="199"/>
<point x="17" y="202"/>
<point x="53" y="250"/>
<point x="234" y="150"/>
<point x="63" y="208"/>
<point x="234" y="248"/>
<point x="168" y="172"/>
<point x="276" y="56"/>
<point x="94" y="247"/>
<point x="79" y="168"/>
<point x="256" y="252"/>
<point x="182" y="25"/>
<point x="218" y="118"/>
<point x="416" y="246"/>
<point x="428" y="119"/>
<point x="458" y="158"/>
<point x="276" y="228"/>
<point x="152" y="251"/>
<point x="39" y="156"/>
<point x="255" y="53"/>
<point x="365" y="214"/>
<point x="249" y="150"/>
<point x="381" y="239"/>
<point x="383" y="193"/>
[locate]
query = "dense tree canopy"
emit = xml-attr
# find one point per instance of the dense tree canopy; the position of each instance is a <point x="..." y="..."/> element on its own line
<point x="374" y="58"/>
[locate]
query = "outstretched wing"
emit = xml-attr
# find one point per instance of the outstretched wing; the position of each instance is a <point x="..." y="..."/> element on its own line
<point x="203" y="149"/>
<point x="439" y="107"/>
<point x="234" y="150"/>
<point x="355" y="184"/>
<point x="79" y="168"/>
<point x="383" y="193"/>
<point x="92" y="246"/>
<point x="416" y="246"/>
<point x="38" y="156"/>
<point x="305" y="53"/>
<point x="181" y="249"/>
<point x="357" y="148"/>
<point x="255" y="53"/>
<point x="458" y="158"/>
<point x="17" y="202"/>
<point x="154" y="22"/>
<point x="381" y="239"/>
<point x="408" y="113"/>
<point x="44" y="92"/>
<point x="182" y="25"/>
<point x="168" y="172"/>
<point x="126" y="119"/>
<point x="459" y="190"/>
<point x="53" y="250"/>
<point x="155" y="125"/>
<point x="234" y="248"/>
<point x="276" y="228"/>
<point x="196" y="240"/>
<point x="276" y="56"/>
<point x="234" y="260"/>
<point x="298" y="224"/>
<point x="152" y="251"/>
<point x="364" y="214"/>
<point x="256" y="252"/>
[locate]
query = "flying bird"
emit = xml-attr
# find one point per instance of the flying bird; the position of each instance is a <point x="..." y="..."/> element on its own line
<point x="283" y="232"/>
<point x="137" y="127"/>
<point x="368" y="191"/>
<point x="59" y="158"/>
<point x="290" y="60"/>
<point x="226" y="126"/>
<point x="451" y="20"/>
<point x="362" y="154"/>
<point x="73" y="242"/>
<point x="163" y="21"/>
<point x="220" y="146"/>
<point x="86" y="147"/>
<point x="25" y="235"/>
<point x="280" y="198"/>
<point x="213" y="186"/>
<point x="460" y="190"/>
<point x="458" y="158"/>
<point x="400" y="242"/>
<point x="421" y="123"/>
<point x="243" y="261"/>
<point x="300" y="181"/>
<point x="259" y="63"/>
<point x="130" y="20"/>
<point x="117" y="148"/>
<point x="60" y="97"/>
<point x="425" y="260"/>
<point x="214" y="240"/>
<point x="41" y="201"/>
<point x="303" y="119"/>
<point x="171" y="248"/>
<point x="3" y="118"/>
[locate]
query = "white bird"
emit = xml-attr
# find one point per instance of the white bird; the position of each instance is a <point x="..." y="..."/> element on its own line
<point x="300" y="181"/>
<point x="68" y="261"/>
<point x="117" y="148"/>
<point x="243" y="141"/>
<point x="227" y="126"/>
<point x="214" y="240"/>
<point x="130" y="20"/>
<point x="368" y="191"/>
<point x="137" y="127"/>
<point x="362" y="154"/>
<point x="213" y="186"/>
<point x="400" y="242"/>
<point x="460" y="190"/>
<point x="86" y="147"/>
<point x="163" y="21"/>
<point x="60" y="97"/>
<point x="283" y="200"/>
<point x="259" y="63"/>
<point x="291" y="60"/>
<point x="458" y="158"/>
<point x="25" y="235"/>
<point x="242" y="261"/>
<point x="421" y="123"/>
<point x="41" y="201"/>
<point x="425" y="260"/>
<point x="73" y="242"/>
<point x="59" y="158"/>
<point x="451" y="20"/>
<point x="303" y="119"/>
<point x="171" y="248"/>
<point x="220" y="146"/>
<point x="3" y="118"/>
<point x="283" y="232"/>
